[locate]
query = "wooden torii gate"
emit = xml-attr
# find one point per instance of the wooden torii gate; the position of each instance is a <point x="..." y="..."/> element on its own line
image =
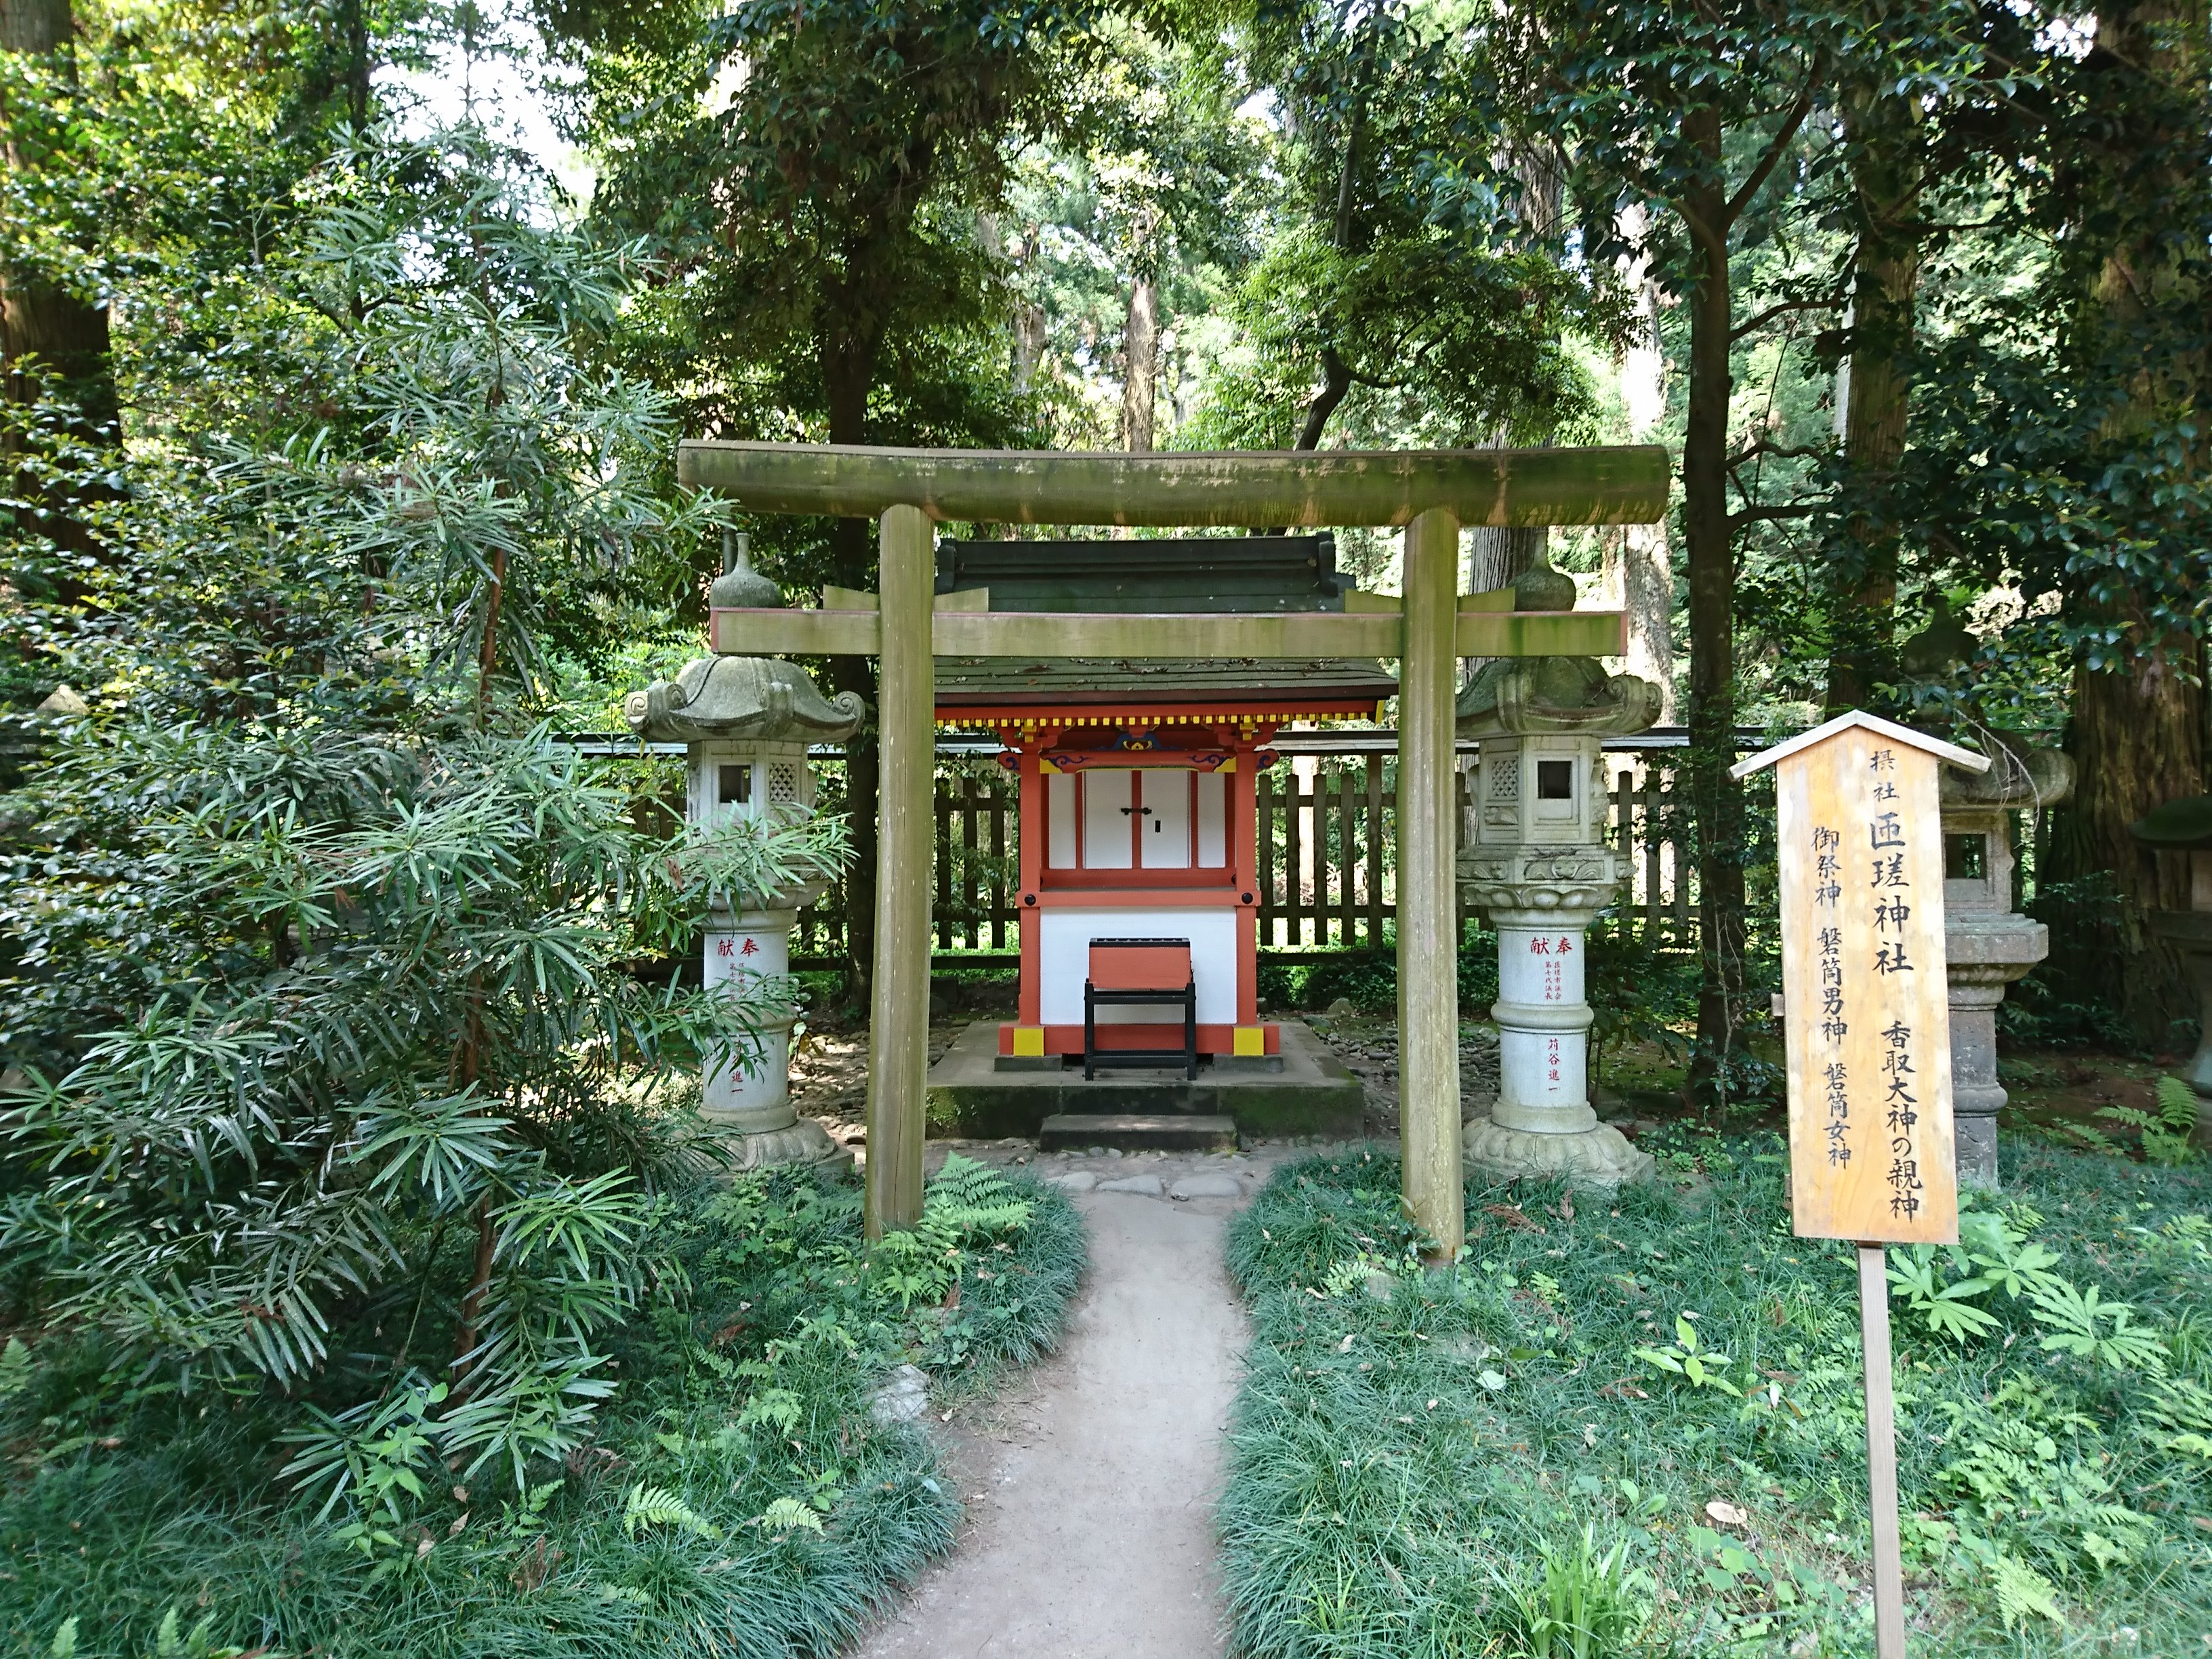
<point x="1430" y="493"/>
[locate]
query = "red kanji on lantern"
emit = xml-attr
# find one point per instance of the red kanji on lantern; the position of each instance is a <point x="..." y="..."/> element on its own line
<point x="1540" y="947"/>
<point x="749" y="948"/>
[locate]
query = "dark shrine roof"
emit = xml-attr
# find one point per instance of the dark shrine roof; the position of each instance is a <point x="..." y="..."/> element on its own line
<point x="1179" y="679"/>
<point x="1227" y="574"/>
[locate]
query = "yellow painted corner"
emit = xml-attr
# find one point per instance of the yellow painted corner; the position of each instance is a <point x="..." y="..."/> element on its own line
<point x="1029" y="1041"/>
<point x="1244" y="1040"/>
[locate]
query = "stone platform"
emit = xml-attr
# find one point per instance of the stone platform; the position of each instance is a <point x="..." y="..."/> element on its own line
<point x="1310" y="1092"/>
<point x="1131" y="1131"/>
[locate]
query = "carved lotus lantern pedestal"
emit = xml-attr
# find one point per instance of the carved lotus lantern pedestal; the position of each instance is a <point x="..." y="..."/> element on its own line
<point x="1987" y="945"/>
<point x="2184" y="827"/>
<point x="746" y="723"/>
<point x="1534" y="856"/>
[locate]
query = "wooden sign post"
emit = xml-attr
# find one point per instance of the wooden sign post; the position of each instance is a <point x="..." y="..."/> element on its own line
<point x="1867" y="1032"/>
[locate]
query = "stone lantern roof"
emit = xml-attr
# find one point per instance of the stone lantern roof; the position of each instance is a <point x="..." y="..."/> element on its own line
<point x="765" y="699"/>
<point x="1567" y="696"/>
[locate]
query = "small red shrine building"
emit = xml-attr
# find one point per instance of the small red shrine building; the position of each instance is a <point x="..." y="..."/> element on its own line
<point x="1138" y="776"/>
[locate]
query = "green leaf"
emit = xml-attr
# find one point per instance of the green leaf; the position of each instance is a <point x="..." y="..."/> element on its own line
<point x="657" y="1506"/>
<point x="789" y="1513"/>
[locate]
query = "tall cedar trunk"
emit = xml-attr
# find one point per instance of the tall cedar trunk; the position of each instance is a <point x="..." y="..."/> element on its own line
<point x="848" y="372"/>
<point x="1639" y="563"/>
<point x="1140" y="351"/>
<point x="1638" y="576"/>
<point x="1497" y="554"/>
<point x="1709" y="552"/>
<point x="2133" y="736"/>
<point x="2137" y="733"/>
<point x="1885" y="171"/>
<point x="1028" y="343"/>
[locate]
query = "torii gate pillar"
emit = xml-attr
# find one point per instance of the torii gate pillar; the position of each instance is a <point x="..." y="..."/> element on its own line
<point x="898" y="1026"/>
<point x="1428" y="918"/>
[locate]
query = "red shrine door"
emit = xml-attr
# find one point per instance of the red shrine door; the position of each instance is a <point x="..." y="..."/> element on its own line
<point x="1152" y="844"/>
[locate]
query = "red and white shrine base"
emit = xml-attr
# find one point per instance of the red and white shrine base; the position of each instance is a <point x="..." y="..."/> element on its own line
<point x="1138" y="822"/>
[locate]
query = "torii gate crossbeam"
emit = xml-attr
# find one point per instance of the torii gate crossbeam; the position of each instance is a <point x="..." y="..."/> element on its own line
<point x="1432" y="493"/>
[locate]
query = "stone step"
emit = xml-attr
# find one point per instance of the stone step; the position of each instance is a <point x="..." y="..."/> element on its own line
<point x="1138" y="1132"/>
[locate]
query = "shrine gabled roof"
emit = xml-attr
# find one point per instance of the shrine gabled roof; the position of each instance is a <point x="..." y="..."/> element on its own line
<point x="1269" y="573"/>
<point x="1229" y="574"/>
<point x="979" y="681"/>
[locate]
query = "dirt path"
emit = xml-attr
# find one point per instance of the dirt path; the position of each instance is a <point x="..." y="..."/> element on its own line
<point x="1090" y="1489"/>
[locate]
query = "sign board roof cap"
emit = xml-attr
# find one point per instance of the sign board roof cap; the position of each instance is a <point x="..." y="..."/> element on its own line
<point x="1948" y="752"/>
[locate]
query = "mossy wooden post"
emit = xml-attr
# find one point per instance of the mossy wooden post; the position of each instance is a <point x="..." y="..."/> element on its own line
<point x="1428" y="925"/>
<point x="898" y="1029"/>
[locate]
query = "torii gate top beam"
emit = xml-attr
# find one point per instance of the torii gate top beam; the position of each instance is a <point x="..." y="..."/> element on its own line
<point x="1315" y="488"/>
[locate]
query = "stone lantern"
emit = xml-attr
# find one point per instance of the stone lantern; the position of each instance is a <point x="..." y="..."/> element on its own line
<point x="1534" y="856"/>
<point x="746" y="723"/>
<point x="1987" y="945"/>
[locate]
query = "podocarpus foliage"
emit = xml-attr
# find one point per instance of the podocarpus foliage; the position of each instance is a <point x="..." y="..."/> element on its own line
<point x="332" y="1061"/>
<point x="1634" y="1425"/>
<point x="738" y="1500"/>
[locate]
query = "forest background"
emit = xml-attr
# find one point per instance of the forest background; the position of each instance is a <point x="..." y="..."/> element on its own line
<point x="1915" y="291"/>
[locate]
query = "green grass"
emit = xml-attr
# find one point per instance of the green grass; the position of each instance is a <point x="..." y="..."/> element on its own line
<point x="737" y="1500"/>
<point x="1478" y="1461"/>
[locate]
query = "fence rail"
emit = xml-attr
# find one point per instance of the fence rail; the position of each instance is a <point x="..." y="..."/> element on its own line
<point x="1327" y="863"/>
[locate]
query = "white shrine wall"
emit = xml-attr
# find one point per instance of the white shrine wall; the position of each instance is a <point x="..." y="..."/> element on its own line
<point x="1064" y="960"/>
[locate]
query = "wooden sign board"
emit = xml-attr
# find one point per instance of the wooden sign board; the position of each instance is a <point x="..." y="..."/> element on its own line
<point x="1866" y="1024"/>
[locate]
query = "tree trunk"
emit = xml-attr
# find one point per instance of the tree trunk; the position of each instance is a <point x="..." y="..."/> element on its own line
<point x="1344" y="232"/>
<point x="848" y="374"/>
<point x="65" y="332"/>
<point x="1885" y="171"/>
<point x="1028" y="343"/>
<point x="1639" y="578"/>
<point x="1141" y="361"/>
<point x="2134" y="738"/>
<point x="1709" y="552"/>
<point x="1639" y="562"/>
<point x="2136" y="733"/>
<point x="1497" y="554"/>
<point x="1336" y="381"/>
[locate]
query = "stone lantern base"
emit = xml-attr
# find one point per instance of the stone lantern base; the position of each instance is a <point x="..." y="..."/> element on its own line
<point x="1599" y="1156"/>
<point x="802" y="1141"/>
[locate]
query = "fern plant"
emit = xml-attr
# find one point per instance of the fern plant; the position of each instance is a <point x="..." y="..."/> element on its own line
<point x="657" y="1506"/>
<point x="2169" y="1132"/>
<point x="1942" y="1286"/>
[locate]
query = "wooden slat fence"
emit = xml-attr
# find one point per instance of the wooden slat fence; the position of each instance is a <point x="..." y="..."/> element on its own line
<point x="1328" y="858"/>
